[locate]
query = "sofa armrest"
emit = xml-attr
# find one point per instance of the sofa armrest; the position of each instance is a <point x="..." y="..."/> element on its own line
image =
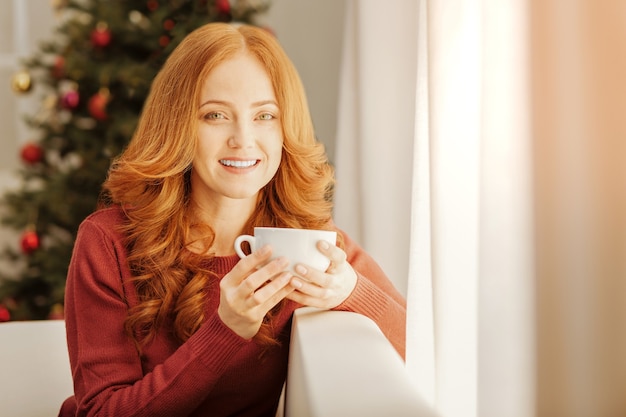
<point x="341" y="364"/>
<point x="35" y="374"/>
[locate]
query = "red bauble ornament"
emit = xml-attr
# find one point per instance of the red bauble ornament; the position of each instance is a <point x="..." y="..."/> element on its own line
<point x="5" y="315"/>
<point x="169" y="24"/>
<point x="97" y="105"/>
<point x="58" y="68"/>
<point x="30" y="242"/>
<point x="152" y="5"/>
<point x="164" y="41"/>
<point x="70" y="99"/>
<point x="223" y="6"/>
<point x="31" y="153"/>
<point x="101" y="35"/>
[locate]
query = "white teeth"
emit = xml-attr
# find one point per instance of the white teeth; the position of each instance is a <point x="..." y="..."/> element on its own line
<point x="238" y="164"/>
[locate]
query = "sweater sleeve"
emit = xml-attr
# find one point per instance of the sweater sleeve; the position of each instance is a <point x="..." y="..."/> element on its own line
<point x="106" y="367"/>
<point x="375" y="296"/>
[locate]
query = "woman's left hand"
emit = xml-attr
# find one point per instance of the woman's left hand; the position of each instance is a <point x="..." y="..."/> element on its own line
<point x="328" y="289"/>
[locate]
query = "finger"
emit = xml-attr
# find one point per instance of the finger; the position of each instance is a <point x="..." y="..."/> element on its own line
<point x="320" y="279"/>
<point x="312" y="287"/>
<point x="262" y="275"/>
<point x="305" y="299"/>
<point x="336" y="255"/>
<point x="248" y="265"/>
<point x="258" y="257"/>
<point x="266" y="297"/>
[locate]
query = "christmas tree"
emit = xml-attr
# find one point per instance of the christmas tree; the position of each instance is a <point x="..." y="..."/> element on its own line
<point x="93" y="78"/>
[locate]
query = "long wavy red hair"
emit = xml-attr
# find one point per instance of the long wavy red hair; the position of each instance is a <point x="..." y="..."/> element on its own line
<point x="150" y="179"/>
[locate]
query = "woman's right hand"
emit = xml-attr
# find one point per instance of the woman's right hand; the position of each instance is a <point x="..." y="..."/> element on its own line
<point x="251" y="289"/>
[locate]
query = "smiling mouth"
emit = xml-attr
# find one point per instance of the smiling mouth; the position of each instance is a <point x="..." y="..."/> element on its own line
<point x="238" y="164"/>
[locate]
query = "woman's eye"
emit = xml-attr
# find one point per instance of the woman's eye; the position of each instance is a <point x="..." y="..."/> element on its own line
<point x="266" y="116"/>
<point x="214" y="116"/>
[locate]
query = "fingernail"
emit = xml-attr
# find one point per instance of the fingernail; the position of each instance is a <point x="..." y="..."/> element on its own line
<point x="324" y="244"/>
<point x="296" y="283"/>
<point x="301" y="270"/>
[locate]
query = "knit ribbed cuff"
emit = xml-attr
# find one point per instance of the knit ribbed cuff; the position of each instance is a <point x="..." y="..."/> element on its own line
<point x="366" y="299"/>
<point x="215" y="343"/>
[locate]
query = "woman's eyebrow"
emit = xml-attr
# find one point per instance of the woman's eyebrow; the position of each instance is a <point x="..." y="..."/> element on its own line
<point x="213" y="101"/>
<point x="264" y="102"/>
<point x="228" y="103"/>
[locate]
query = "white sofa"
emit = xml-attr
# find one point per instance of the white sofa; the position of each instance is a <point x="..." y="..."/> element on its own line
<point x="340" y="364"/>
<point x="35" y="374"/>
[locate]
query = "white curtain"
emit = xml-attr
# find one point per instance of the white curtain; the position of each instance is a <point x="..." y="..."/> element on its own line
<point x="470" y="319"/>
<point x="516" y="222"/>
<point x="467" y="143"/>
<point x="374" y="144"/>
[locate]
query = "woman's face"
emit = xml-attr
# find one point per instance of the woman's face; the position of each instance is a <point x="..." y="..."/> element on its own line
<point x="240" y="135"/>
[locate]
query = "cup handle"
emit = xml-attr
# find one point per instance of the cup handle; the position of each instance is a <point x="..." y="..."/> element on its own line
<point x="244" y="238"/>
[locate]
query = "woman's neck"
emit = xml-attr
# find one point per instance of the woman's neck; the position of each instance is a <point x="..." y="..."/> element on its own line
<point x="227" y="220"/>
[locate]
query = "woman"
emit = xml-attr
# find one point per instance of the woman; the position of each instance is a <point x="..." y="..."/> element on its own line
<point x="163" y="318"/>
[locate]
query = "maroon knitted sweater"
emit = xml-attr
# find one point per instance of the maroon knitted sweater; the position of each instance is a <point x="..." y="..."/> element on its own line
<point x="215" y="372"/>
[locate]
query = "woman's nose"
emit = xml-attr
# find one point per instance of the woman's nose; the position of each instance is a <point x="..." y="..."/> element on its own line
<point x="242" y="135"/>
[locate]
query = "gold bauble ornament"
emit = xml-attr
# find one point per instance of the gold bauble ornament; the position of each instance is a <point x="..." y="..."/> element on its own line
<point x="58" y="4"/>
<point x="22" y="82"/>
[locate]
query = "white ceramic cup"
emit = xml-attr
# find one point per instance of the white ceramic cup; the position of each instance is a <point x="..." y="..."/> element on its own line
<point x="299" y="246"/>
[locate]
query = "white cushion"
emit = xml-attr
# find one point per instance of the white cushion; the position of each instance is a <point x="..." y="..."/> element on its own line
<point x="35" y="376"/>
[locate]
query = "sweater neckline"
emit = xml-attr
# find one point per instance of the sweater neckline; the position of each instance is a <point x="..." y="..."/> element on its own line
<point x="223" y="264"/>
